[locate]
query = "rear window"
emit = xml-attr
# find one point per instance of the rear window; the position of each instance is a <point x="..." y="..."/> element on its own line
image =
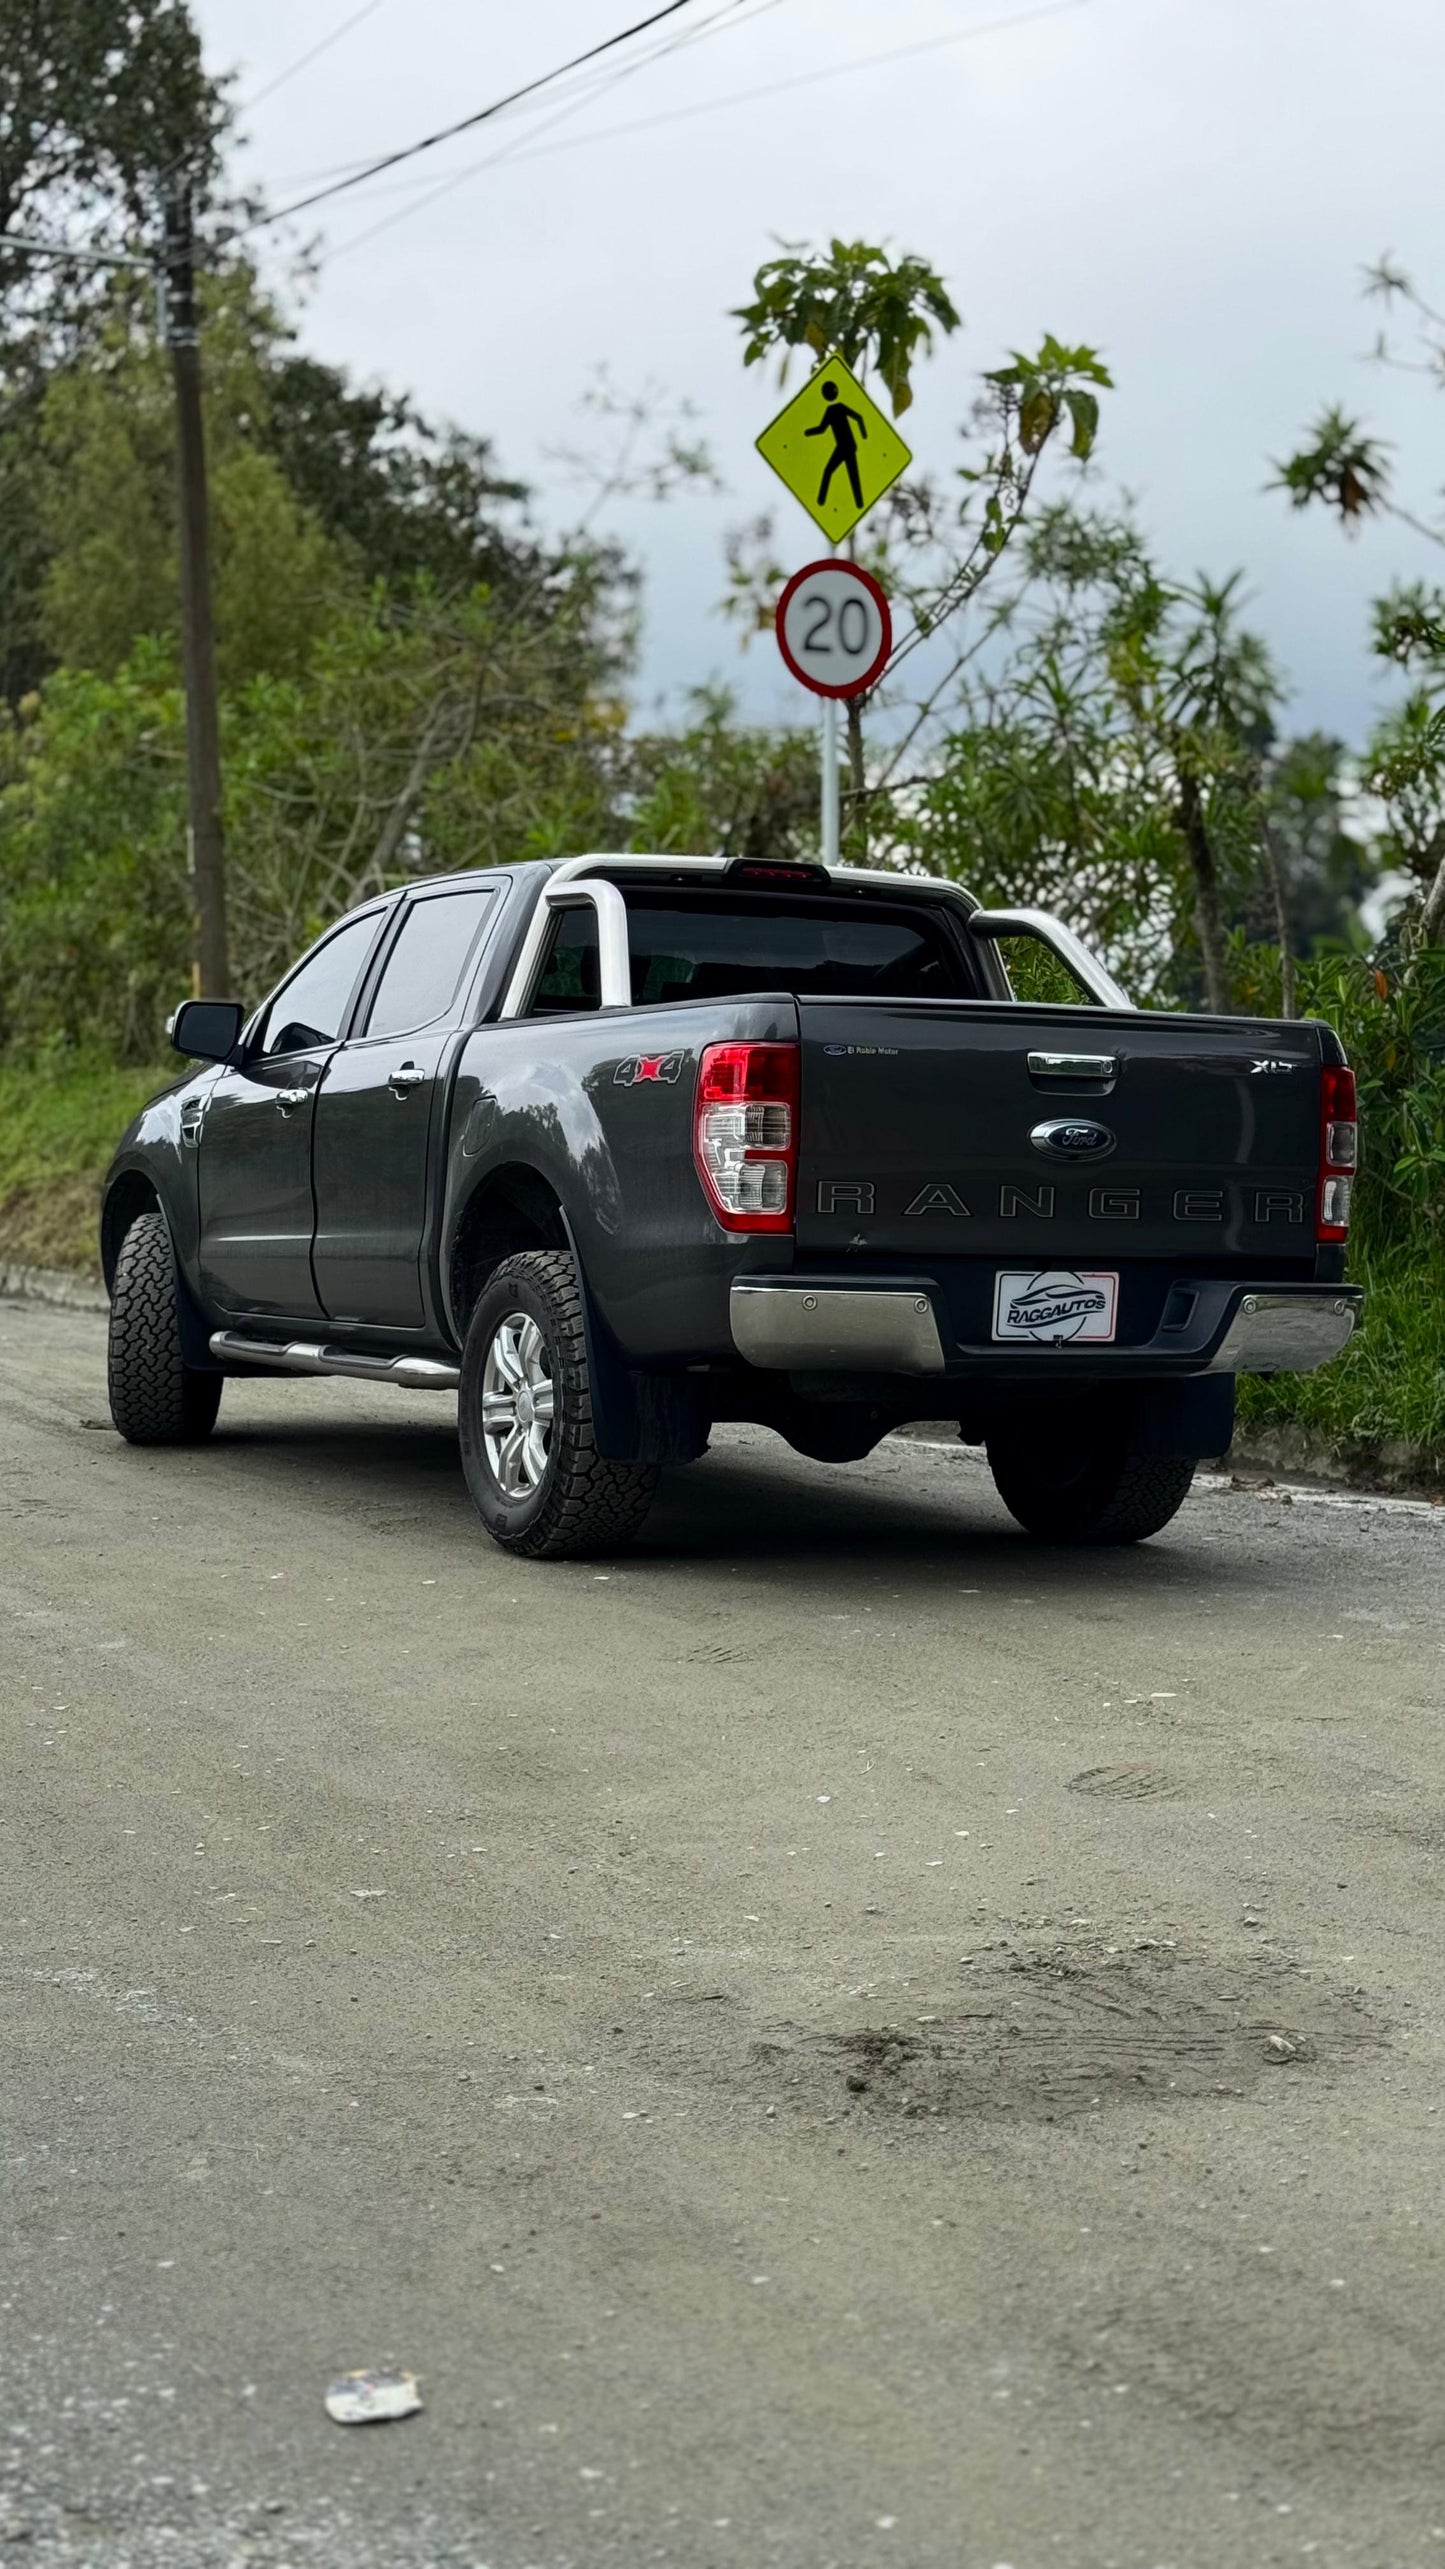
<point x="724" y="945"/>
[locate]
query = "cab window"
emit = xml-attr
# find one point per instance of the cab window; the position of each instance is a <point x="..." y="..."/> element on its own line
<point x="425" y="968"/>
<point x="311" y="1008"/>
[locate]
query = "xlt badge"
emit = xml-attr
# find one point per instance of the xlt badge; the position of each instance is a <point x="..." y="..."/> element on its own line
<point x="1068" y="1137"/>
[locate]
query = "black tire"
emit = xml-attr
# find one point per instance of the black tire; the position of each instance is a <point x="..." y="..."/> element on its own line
<point x="582" y="1505"/>
<point x="1094" y="1488"/>
<point x="155" y="1397"/>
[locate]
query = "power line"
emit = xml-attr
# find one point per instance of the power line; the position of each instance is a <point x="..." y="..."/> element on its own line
<point x="724" y="17"/>
<point x="465" y="124"/>
<point x="314" y="54"/>
<point x="526" y="150"/>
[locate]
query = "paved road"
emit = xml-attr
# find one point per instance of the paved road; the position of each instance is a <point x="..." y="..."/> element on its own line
<point x="842" y="2038"/>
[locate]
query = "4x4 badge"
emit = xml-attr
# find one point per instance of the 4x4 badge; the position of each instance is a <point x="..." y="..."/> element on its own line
<point x="648" y="1066"/>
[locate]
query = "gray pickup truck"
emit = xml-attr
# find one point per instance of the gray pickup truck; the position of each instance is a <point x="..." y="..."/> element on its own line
<point x="618" y="1147"/>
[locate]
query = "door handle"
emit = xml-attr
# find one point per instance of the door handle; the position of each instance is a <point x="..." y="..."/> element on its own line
<point x="407" y="1077"/>
<point x="286" y="1098"/>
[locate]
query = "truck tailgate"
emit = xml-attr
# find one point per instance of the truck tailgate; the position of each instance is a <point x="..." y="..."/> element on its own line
<point x="924" y="1133"/>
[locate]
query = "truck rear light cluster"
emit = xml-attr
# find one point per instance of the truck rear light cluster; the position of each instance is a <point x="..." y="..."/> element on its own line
<point x="1339" y="1152"/>
<point x="745" y="1134"/>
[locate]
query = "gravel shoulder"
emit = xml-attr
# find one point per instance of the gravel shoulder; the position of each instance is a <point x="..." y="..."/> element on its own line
<point x="839" y="2037"/>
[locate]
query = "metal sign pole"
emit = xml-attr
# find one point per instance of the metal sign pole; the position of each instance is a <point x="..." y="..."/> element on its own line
<point x="830" y="780"/>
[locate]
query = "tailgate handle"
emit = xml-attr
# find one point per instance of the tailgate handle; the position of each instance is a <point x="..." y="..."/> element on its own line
<point x="1096" y="1068"/>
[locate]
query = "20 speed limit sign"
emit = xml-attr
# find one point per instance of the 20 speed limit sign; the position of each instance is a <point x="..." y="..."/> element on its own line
<point x="834" y="629"/>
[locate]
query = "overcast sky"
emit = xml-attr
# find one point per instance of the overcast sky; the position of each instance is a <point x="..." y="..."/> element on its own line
<point x="1192" y="185"/>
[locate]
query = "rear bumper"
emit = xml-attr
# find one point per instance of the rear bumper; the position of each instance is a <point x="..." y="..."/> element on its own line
<point x="893" y="1325"/>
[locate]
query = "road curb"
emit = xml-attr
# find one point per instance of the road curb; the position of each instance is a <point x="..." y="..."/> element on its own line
<point x="52" y="1284"/>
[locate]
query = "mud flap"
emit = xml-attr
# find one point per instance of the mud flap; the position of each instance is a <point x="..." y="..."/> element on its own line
<point x="1193" y="1420"/>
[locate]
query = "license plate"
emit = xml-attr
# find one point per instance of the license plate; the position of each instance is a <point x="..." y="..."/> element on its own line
<point x="1050" y="1303"/>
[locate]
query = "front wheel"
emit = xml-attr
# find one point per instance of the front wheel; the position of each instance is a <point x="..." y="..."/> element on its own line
<point x="1096" y="1488"/>
<point x="525" y="1418"/>
<point x="156" y="1398"/>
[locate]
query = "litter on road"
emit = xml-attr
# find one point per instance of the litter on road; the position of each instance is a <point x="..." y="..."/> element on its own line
<point x="372" y="2399"/>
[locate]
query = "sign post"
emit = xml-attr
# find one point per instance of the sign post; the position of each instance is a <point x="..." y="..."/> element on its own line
<point x="835" y="634"/>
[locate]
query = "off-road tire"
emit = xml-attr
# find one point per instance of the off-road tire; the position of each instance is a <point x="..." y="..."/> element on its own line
<point x="1112" y="1492"/>
<point x="584" y="1505"/>
<point x="156" y="1398"/>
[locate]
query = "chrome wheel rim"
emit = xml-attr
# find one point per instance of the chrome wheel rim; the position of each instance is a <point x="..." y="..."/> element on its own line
<point x="517" y="1406"/>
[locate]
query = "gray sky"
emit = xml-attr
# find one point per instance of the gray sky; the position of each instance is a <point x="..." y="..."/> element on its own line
<point x="1192" y="185"/>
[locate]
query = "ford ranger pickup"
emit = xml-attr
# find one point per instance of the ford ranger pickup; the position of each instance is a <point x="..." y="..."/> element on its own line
<point x="614" y="1148"/>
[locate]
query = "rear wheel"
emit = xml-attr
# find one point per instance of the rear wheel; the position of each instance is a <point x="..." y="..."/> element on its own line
<point x="1087" y="1488"/>
<point x="156" y="1398"/>
<point x="525" y="1417"/>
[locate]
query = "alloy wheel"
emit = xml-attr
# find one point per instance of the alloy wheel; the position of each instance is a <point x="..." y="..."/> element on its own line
<point x="517" y="1406"/>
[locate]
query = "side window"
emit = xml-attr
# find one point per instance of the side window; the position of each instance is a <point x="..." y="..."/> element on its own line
<point x="424" y="969"/>
<point x="311" y="1007"/>
<point x="572" y="973"/>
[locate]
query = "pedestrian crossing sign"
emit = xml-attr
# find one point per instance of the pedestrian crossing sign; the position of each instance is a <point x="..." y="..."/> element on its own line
<point x="834" y="449"/>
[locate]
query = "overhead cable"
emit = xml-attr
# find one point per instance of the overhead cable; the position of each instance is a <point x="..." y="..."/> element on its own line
<point x="526" y="150"/>
<point x="465" y="124"/>
<point x="314" y="54"/>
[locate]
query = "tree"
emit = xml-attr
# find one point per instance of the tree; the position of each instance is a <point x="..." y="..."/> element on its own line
<point x="1343" y="467"/>
<point x="1109" y="755"/>
<point x="98" y="98"/>
<point x="933" y="551"/>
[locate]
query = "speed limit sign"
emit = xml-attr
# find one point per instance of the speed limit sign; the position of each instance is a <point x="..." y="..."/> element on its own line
<point x="834" y="629"/>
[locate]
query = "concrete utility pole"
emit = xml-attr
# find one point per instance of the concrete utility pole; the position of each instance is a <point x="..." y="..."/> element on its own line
<point x="198" y="649"/>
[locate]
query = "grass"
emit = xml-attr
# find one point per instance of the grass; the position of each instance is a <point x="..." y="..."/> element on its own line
<point x="60" y="1120"/>
<point x="1386" y="1393"/>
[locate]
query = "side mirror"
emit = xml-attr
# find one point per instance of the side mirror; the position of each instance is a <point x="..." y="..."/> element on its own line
<point x="207" y="1029"/>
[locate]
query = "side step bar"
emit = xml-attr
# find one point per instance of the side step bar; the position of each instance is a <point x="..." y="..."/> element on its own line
<point x="301" y="1356"/>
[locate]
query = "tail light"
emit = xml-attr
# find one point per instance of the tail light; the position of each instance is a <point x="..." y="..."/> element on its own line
<point x="1339" y="1153"/>
<point x="745" y="1134"/>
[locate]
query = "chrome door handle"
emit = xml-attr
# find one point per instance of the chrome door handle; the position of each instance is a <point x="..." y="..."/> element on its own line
<point x="408" y="1076"/>
<point x="286" y="1098"/>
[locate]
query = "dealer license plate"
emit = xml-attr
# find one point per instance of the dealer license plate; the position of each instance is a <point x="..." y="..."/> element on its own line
<point x="1077" y="1303"/>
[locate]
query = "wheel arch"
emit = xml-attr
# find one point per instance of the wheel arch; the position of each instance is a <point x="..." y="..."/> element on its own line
<point x="130" y="1194"/>
<point x="511" y="1209"/>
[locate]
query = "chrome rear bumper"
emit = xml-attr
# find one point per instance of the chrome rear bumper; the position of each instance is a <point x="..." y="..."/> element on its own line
<point x="812" y="1328"/>
<point x="809" y="1325"/>
<point x="1286" y="1333"/>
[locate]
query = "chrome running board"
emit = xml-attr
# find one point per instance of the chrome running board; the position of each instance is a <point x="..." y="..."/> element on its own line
<point x="303" y="1356"/>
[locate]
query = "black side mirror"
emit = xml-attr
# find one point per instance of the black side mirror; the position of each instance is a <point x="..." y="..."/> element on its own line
<point x="207" y="1029"/>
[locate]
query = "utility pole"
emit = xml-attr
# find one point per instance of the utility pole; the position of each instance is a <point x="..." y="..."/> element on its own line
<point x="198" y="648"/>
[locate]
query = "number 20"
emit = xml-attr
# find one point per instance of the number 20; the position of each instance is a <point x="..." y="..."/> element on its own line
<point x="823" y="617"/>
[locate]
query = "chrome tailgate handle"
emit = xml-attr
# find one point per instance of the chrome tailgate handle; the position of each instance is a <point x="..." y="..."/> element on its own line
<point x="1069" y="1070"/>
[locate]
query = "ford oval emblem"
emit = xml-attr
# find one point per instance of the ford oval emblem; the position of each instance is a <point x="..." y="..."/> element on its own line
<point x="1068" y="1139"/>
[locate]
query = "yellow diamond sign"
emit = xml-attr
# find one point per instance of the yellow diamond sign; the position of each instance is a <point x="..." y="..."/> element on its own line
<point x="834" y="449"/>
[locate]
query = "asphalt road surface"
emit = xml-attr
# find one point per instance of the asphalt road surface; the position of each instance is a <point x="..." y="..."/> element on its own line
<point x="841" y="2038"/>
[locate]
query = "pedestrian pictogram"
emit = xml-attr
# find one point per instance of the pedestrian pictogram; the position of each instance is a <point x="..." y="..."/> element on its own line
<point x="835" y="450"/>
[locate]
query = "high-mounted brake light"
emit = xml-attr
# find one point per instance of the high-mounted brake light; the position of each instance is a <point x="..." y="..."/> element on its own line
<point x="1339" y="1153"/>
<point x="745" y="1134"/>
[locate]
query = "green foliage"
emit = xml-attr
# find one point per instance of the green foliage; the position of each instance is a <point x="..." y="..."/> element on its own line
<point x="95" y="918"/>
<point x="1340" y="466"/>
<point x="416" y="739"/>
<point x="717" y="785"/>
<point x="99" y="96"/>
<point x="875" y="311"/>
<point x="61" y="1114"/>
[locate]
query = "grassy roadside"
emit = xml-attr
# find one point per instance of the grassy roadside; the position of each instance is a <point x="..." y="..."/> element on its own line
<point x="1379" y="1406"/>
<point x="1382" y="1403"/>
<point x="60" y="1119"/>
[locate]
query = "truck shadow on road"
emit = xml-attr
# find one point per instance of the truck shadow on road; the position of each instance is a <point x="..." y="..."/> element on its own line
<point x="917" y="1513"/>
